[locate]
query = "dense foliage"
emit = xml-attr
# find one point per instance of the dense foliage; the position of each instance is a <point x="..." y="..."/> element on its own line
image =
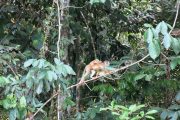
<point x="46" y="44"/>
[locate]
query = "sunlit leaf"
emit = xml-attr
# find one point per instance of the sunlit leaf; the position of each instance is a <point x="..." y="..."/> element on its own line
<point x="151" y="112"/>
<point x="148" y="77"/>
<point x="132" y="107"/>
<point x="51" y="75"/>
<point x="13" y="113"/>
<point x="10" y="101"/>
<point x="3" y="81"/>
<point x="148" y="25"/>
<point x="61" y="70"/>
<point x="150" y="117"/>
<point x="41" y="63"/>
<point x="149" y="36"/>
<point x="97" y="1"/>
<point x="164" y="28"/>
<point x="158" y="28"/>
<point x="139" y="76"/>
<point x="57" y="61"/>
<point x="29" y="62"/>
<point x="155" y="33"/>
<point x="154" y="49"/>
<point x="69" y="70"/>
<point x="22" y="102"/>
<point x="35" y="63"/>
<point x="167" y="41"/>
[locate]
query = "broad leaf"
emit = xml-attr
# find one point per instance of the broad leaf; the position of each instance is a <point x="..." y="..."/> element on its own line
<point x="158" y="28"/>
<point x="149" y="36"/>
<point x="3" y="81"/>
<point x="167" y="41"/>
<point x="164" y="28"/>
<point x="29" y="62"/>
<point x="173" y="63"/>
<point x="154" y="49"/>
<point x="151" y="112"/>
<point x="139" y="76"/>
<point x="176" y="45"/>
<point x="13" y="114"/>
<point x="51" y="75"/>
<point x="69" y="70"/>
<point x="22" y="102"/>
<point x="57" y="61"/>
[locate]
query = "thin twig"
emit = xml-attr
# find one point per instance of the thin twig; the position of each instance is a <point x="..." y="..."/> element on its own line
<point x="44" y="105"/>
<point x="11" y="69"/>
<point x="89" y="30"/>
<point x="153" y="63"/>
<point x="177" y="12"/>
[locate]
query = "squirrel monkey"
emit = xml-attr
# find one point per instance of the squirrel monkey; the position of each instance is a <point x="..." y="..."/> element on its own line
<point x="93" y="67"/>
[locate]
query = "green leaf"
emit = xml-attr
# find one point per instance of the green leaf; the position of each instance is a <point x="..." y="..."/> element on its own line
<point x="41" y="63"/>
<point x="148" y="77"/>
<point x="60" y="69"/>
<point x="164" y="28"/>
<point x="3" y="81"/>
<point x="57" y="61"/>
<point x="47" y="85"/>
<point x="22" y="102"/>
<point x="148" y="25"/>
<point x="149" y="36"/>
<point x="41" y="75"/>
<point x="177" y="98"/>
<point x="176" y="45"/>
<point x="97" y="1"/>
<point x="151" y="112"/>
<point x="51" y="75"/>
<point x="173" y="63"/>
<point x="155" y="33"/>
<point x="139" y="76"/>
<point x="133" y="108"/>
<point x="39" y="87"/>
<point x="35" y="63"/>
<point x="164" y="114"/>
<point x="29" y="62"/>
<point x="167" y="41"/>
<point x="150" y="117"/>
<point x="9" y="102"/>
<point x="154" y="49"/>
<point x="115" y="113"/>
<point x="69" y="70"/>
<point x="13" y="114"/>
<point x="158" y="28"/>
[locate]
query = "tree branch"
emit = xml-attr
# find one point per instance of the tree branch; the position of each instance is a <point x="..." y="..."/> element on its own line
<point x="78" y="84"/>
